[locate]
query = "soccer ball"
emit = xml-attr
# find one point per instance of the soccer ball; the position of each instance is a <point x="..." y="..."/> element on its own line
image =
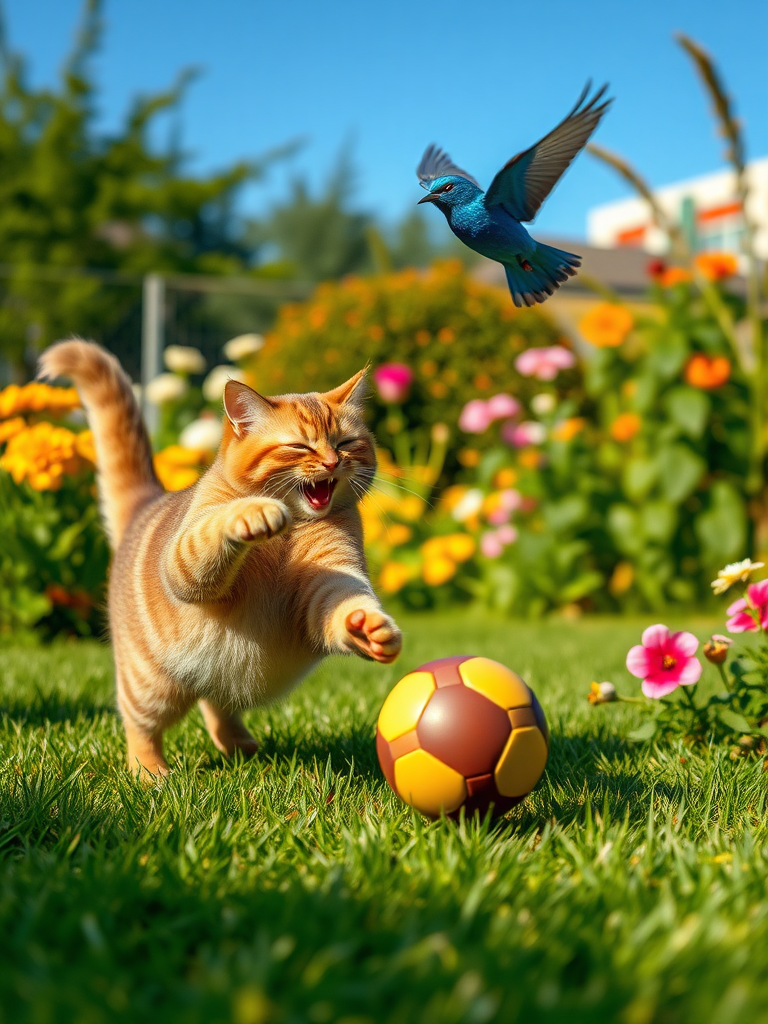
<point x="462" y="732"/>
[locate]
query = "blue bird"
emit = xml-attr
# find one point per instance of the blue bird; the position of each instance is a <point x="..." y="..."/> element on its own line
<point x="490" y="222"/>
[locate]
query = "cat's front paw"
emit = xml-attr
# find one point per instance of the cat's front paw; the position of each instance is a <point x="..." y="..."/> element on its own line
<point x="374" y="635"/>
<point x="250" y="520"/>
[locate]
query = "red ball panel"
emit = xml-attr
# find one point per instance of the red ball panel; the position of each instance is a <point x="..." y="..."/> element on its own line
<point x="386" y="760"/>
<point x="446" y="670"/>
<point x="464" y="730"/>
<point x="483" y="795"/>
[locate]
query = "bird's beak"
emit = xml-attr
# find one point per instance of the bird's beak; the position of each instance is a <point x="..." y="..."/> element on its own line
<point x="430" y="197"/>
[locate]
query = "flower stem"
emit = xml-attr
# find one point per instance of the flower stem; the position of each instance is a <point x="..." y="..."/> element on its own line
<point x="724" y="677"/>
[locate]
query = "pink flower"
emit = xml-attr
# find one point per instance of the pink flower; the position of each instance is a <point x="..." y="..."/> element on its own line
<point x="475" y="417"/>
<point x="521" y="435"/>
<point x="491" y="544"/>
<point x="741" y="620"/>
<point x="511" y="499"/>
<point x="544" y="363"/>
<point x="393" y="382"/>
<point x="507" y="534"/>
<point x="664" y="661"/>
<point x="502" y="407"/>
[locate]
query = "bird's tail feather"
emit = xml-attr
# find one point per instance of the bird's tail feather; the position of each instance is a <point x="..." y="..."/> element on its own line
<point x="534" y="278"/>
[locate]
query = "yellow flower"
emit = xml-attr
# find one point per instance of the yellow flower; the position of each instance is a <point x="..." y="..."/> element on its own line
<point x="178" y="468"/>
<point x="411" y="508"/>
<point x="606" y="325"/>
<point x="529" y="458"/>
<point x="42" y="455"/>
<point x="469" y="457"/>
<point x="736" y="572"/>
<point x="84" y="446"/>
<point x="37" y="397"/>
<point x="622" y="579"/>
<point x="393" y="577"/>
<point x="505" y="478"/>
<point x="568" y="429"/>
<point x="459" y="546"/>
<point x="10" y="428"/>
<point x="602" y="693"/>
<point x="398" y="534"/>
<point x="437" y="571"/>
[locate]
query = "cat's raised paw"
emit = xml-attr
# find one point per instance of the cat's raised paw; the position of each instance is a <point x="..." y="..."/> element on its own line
<point x="251" y="520"/>
<point x="374" y="635"/>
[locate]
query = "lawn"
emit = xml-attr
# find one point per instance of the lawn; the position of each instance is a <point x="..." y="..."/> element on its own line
<point x="631" y="886"/>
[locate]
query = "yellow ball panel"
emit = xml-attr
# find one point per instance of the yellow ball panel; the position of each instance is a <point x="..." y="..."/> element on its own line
<point x="496" y="682"/>
<point x="403" y="707"/>
<point x="522" y="762"/>
<point x="429" y="785"/>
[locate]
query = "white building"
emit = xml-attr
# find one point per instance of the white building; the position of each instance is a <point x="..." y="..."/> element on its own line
<point x="707" y="209"/>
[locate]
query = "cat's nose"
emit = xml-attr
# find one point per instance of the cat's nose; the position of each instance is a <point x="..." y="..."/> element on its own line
<point x="330" y="461"/>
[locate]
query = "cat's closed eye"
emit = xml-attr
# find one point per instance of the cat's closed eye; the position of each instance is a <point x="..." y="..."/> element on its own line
<point x="300" y="447"/>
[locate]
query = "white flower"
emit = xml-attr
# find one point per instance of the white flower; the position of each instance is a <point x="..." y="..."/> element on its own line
<point x="216" y="381"/>
<point x="167" y="387"/>
<point x="543" y="404"/>
<point x="183" y="359"/>
<point x="602" y="693"/>
<point x="242" y="346"/>
<point x="202" y="435"/>
<point x="736" y="572"/>
<point x="470" y="505"/>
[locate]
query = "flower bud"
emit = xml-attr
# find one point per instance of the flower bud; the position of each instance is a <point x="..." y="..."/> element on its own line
<point x="602" y="693"/>
<point x="716" y="648"/>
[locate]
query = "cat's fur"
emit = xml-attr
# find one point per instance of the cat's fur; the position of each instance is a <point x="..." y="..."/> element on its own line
<point x="229" y="592"/>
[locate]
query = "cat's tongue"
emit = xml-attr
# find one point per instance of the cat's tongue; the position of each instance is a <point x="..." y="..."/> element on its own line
<point x="319" y="494"/>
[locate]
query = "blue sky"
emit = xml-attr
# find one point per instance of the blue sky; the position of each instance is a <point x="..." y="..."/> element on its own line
<point x="483" y="78"/>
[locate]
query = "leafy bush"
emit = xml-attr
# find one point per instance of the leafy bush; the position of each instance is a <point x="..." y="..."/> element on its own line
<point x="460" y="337"/>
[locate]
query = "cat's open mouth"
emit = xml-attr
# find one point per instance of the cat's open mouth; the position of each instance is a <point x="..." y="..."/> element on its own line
<point x="320" y="493"/>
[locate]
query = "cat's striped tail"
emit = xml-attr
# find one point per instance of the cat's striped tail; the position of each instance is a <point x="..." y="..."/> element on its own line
<point x="125" y="473"/>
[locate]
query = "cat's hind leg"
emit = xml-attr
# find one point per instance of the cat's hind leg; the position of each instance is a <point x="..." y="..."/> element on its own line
<point x="228" y="731"/>
<point x="146" y="712"/>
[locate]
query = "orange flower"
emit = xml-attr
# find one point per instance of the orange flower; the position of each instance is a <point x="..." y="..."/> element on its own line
<point x="707" y="372"/>
<point x="393" y="577"/>
<point x="672" y="276"/>
<point x="505" y="478"/>
<point x="10" y="428"/>
<point x="606" y="325"/>
<point x="568" y="429"/>
<point x="529" y="458"/>
<point x="37" y="397"/>
<point x="438" y="570"/>
<point x="625" y="426"/>
<point x="716" y="266"/>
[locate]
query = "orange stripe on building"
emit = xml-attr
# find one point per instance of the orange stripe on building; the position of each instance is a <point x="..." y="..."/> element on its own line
<point x="716" y="212"/>
<point x="631" y="236"/>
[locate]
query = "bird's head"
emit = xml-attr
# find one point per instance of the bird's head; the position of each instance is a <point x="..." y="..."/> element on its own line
<point x="450" y="190"/>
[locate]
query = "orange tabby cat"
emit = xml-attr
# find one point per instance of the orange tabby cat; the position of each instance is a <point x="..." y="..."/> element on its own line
<point x="229" y="592"/>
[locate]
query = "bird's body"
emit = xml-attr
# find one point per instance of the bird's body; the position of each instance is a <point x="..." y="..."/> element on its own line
<point x="490" y="222"/>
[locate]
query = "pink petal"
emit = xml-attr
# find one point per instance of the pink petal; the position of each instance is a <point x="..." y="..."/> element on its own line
<point x="737" y="606"/>
<point x="689" y="672"/>
<point x="758" y="592"/>
<point x="499" y="516"/>
<point x="561" y="357"/>
<point x="682" y="645"/>
<point x="501" y="406"/>
<point x="474" y="418"/>
<point x="741" y="623"/>
<point x="527" y="362"/>
<point x="639" y="662"/>
<point x="655" y="636"/>
<point x="507" y="534"/>
<point x="658" y="688"/>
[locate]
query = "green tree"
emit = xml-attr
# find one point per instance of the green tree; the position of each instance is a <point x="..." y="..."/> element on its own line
<point x="72" y="197"/>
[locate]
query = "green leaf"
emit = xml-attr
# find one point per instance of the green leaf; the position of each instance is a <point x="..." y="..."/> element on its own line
<point x="567" y="513"/>
<point x="644" y="732"/>
<point x="581" y="586"/>
<point x="639" y="476"/>
<point x="734" y="720"/>
<point x="689" y="409"/>
<point x="659" y="521"/>
<point x="669" y="353"/>
<point x="624" y="528"/>
<point x="721" y="529"/>
<point x="680" y="471"/>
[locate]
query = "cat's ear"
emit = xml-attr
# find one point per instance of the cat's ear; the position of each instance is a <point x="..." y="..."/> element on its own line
<point x="354" y="391"/>
<point x="246" y="409"/>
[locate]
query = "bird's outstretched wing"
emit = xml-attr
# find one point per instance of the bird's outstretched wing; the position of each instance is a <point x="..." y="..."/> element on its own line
<point x="522" y="184"/>
<point x="437" y="164"/>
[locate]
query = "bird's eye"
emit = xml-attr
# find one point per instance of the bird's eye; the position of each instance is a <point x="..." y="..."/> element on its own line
<point x="448" y="187"/>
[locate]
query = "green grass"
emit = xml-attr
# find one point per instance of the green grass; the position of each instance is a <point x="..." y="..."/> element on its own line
<point x="631" y="886"/>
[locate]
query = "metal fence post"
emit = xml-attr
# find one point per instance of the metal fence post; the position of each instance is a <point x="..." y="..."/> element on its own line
<point x="152" y="323"/>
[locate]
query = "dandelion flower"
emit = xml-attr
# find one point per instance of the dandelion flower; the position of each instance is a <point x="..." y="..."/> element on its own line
<point x="166" y="387"/>
<point x="242" y="346"/>
<point x="184" y="359"/>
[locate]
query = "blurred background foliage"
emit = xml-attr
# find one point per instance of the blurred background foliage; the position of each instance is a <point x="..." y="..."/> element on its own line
<point x="614" y="471"/>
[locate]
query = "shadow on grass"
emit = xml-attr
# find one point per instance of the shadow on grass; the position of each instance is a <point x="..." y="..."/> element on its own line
<point x="55" y="709"/>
